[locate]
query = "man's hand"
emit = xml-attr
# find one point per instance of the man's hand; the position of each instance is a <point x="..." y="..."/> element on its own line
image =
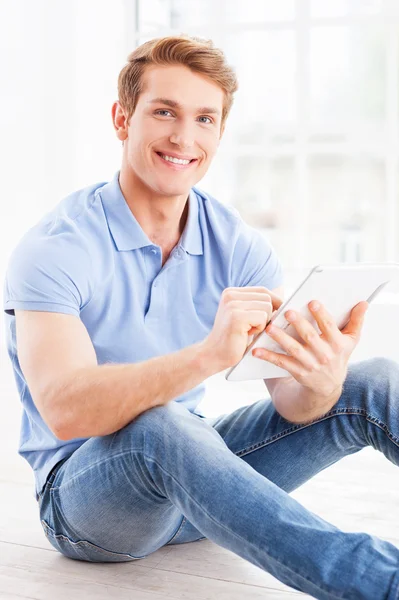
<point x="242" y="313"/>
<point x="321" y="363"/>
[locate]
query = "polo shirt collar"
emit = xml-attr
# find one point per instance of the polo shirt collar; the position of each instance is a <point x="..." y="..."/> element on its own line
<point x="126" y="230"/>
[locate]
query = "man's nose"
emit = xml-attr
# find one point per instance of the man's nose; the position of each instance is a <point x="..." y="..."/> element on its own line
<point x="182" y="136"/>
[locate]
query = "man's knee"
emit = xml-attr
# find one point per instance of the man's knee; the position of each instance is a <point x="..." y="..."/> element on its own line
<point x="164" y="413"/>
<point x="159" y="420"/>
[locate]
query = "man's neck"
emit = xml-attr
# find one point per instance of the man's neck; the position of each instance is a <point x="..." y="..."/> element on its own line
<point x="162" y="218"/>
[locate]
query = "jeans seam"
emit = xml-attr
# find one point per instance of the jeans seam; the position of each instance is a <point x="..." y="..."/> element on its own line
<point x="332" y="413"/>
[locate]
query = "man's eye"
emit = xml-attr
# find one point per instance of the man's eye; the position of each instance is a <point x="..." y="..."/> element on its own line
<point x="162" y="112"/>
<point x="206" y="119"/>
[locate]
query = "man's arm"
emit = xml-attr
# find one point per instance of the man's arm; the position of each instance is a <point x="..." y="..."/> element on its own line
<point x="76" y="397"/>
<point x="299" y="404"/>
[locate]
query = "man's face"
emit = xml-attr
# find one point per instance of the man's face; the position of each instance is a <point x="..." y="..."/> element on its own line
<point x="177" y="117"/>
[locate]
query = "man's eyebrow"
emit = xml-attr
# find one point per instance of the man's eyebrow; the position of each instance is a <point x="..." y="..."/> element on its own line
<point x="174" y="104"/>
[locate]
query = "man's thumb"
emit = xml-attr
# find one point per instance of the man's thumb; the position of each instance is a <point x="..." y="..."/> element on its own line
<point x="356" y="320"/>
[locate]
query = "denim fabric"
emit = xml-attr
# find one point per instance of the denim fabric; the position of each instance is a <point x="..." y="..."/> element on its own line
<point x="171" y="476"/>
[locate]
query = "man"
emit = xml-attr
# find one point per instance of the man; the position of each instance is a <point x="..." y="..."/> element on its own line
<point x="124" y="299"/>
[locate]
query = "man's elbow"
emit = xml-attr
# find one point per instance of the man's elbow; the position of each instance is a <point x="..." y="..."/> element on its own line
<point x="52" y="411"/>
<point x="62" y="434"/>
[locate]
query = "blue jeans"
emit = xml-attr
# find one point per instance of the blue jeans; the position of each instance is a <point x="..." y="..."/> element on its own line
<point x="171" y="477"/>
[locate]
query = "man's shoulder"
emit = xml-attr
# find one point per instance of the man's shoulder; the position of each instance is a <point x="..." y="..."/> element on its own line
<point x="64" y="234"/>
<point x="77" y="205"/>
<point x="69" y="220"/>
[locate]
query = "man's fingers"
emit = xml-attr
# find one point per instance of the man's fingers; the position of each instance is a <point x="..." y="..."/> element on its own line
<point x="255" y="291"/>
<point x="276" y="300"/>
<point x="355" y="324"/>
<point x="250" y="305"/>
<point x="256" y="318"/>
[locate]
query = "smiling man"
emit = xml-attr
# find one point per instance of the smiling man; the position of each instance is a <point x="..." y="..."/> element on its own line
<point x="119" y="304"/>
<point x="169" y="141"/>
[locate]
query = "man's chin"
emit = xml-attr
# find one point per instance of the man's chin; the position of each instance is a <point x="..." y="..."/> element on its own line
<point x="174" y="190"/>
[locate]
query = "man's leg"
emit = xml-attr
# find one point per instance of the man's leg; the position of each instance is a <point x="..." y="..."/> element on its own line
<point x="289" y="454"/>
<point x="170" y="460"/>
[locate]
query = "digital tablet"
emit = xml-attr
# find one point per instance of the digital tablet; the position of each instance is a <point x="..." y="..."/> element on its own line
<point x="339" y="288"/>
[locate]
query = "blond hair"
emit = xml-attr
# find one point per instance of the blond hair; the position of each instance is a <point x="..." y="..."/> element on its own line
<point x="199" y="55"/>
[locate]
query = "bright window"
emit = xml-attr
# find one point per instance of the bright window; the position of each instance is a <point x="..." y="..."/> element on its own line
<point x="310" y="154"/>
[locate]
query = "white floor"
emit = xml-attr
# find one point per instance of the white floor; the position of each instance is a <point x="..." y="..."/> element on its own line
<point x="361" y="493"/>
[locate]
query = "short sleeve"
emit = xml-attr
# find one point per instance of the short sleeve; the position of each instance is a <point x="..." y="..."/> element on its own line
<point x="48" y="274"/>
<point x="255" y="261"/>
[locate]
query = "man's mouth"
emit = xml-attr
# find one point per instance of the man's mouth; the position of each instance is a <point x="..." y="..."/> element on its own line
<point x="174" y="160"/>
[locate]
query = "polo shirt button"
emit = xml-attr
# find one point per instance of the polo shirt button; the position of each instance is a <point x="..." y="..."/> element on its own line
<point x="153" y="251"/>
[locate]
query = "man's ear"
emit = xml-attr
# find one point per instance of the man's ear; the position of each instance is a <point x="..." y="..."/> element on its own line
<point x="119" y="121"/>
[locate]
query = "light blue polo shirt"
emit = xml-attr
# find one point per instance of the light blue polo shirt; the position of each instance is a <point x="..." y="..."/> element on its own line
<point x="89" y="257"/>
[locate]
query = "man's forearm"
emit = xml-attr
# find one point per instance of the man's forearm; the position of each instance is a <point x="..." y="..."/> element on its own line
<point x="298" y="404"/>
<point x="102" y="399"/>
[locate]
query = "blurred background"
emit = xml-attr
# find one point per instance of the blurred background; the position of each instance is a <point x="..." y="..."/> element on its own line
<point x="310" y="154"/>
<point x="310" y="157"/>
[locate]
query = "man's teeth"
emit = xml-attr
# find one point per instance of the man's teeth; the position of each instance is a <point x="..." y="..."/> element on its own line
<point x="178" y="161"/>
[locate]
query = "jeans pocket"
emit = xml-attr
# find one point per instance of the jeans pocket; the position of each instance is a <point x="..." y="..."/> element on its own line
<point x="83" y="549"/>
